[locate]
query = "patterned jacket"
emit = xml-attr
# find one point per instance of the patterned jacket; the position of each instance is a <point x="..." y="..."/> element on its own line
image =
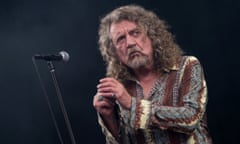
<point x="174" y="113"/>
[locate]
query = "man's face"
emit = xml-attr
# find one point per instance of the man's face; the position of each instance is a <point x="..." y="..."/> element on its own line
<point x="132" y="44"/>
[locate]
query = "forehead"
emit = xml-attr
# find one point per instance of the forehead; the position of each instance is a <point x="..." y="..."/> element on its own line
<point x="122" y="26"/>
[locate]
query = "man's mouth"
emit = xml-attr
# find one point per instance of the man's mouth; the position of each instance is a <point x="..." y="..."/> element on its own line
<point x="134" y="53"/>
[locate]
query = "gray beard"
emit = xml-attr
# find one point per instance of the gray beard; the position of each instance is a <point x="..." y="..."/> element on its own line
<point x="138" y="62"/>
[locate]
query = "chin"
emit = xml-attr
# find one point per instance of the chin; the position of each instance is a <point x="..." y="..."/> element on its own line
<point x="135" y="64"/>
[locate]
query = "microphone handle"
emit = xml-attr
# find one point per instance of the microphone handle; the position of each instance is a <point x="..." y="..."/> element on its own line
<point x="49" y="57"/>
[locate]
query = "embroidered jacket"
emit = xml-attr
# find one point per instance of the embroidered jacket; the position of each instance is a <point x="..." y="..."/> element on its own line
<point x="174" y="114"/>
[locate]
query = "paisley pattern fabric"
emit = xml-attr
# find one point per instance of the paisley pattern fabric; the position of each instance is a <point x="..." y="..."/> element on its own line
<point x="174" y="113"/>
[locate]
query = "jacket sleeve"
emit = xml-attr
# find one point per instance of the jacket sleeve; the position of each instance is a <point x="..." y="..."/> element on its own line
<point x="110" y="139"/>
<point x="183" y="118"/>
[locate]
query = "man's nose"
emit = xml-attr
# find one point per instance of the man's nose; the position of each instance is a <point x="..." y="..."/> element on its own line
<point x="131" y="42"/>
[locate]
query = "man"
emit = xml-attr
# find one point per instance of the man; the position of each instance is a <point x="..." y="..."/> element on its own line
<point x="152" y="93"/>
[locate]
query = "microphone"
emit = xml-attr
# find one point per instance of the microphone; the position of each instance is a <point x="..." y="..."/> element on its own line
<point x="62" y="55"/>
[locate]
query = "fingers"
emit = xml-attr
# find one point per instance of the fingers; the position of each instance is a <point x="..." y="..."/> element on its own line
<point x="107" y="83"/>
<point x="103" y="105"/>
<point x="110" y="96"/>
<point x="108" y="79"/>
<point x="113" y="90"/>
<point x="102" y="101"/>
<point x="108" y="86"/>
<point x="107" y="91"/>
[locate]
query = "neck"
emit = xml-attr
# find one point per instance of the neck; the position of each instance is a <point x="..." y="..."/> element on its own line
<point x="145" y="74"/>
<point x="147" y="79"/>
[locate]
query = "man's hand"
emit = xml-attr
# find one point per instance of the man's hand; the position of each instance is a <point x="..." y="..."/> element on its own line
<point x="111" y="89"/>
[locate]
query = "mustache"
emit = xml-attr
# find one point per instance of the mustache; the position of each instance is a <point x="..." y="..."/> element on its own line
<point x="134" y="49"/>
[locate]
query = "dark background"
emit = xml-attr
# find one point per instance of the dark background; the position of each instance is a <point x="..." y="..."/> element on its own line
<point x="208" y="29"/>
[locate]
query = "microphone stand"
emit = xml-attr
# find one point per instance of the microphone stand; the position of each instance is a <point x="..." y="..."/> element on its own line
<point x="59" y="96"/>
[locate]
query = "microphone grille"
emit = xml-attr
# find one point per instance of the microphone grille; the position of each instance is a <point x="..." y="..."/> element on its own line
<point x="65" y="56"/>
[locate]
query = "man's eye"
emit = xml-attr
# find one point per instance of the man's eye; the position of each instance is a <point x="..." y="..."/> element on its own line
<point x="120" y="39"/>
<point x="135" y="33"/>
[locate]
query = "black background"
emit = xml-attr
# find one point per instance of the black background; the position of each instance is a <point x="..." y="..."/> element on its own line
<point x="208" y="29"/>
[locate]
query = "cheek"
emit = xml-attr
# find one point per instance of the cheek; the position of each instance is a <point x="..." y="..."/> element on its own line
<point x="147" y="41"/>
<point x="145" y="44"/>
<point x="121" y="55"/>
<point x="143" y="41"/>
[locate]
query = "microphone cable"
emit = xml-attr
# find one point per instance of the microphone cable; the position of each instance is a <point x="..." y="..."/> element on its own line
<point x="60" y="101"/>
<point x="47" y="99"/>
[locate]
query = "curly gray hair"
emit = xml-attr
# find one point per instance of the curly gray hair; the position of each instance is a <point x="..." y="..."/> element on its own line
<point x="165" y="50"/>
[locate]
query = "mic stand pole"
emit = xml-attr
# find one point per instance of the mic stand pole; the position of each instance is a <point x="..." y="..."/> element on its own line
<point x="59" y="96"/>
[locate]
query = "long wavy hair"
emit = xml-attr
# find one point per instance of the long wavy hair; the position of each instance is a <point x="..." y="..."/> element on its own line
<point x="166" y="51"/>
